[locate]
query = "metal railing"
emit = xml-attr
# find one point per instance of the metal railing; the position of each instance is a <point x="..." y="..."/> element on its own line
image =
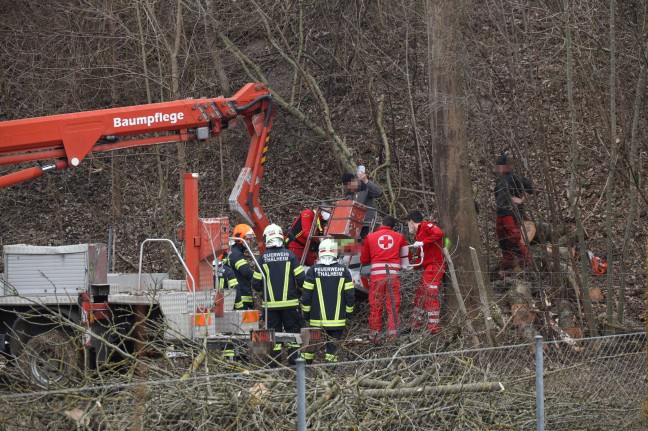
<point x="184" y="265"/>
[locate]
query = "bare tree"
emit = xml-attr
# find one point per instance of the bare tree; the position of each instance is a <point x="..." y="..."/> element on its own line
<point x="612" y="165"/>
<point x="573" y="172"/>
<point x="452" y="183"/>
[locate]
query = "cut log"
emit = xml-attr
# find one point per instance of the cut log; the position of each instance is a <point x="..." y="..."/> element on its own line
<point x="483" y="297"/>
<point x="436" y="390"/>
<point x="596" y="294"/>
<point x="530" y="230"/>
<point x="522" y="314"/>
<point x="567" y="321"/>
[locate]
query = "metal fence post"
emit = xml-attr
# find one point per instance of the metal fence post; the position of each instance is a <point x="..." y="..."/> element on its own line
<point x="539" y="362"/>
<point x="109" y="250"/>
<point x="301" y="394"/>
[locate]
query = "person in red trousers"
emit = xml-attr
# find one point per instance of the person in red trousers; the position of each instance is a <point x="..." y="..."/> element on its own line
<point x="386" y="251"/>
<point x="429" y="239"/>
<point x="510" y="195"/>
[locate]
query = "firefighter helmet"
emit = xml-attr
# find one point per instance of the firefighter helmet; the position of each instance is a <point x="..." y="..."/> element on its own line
<point x="243" y="231"/>
<point x="271" y="232"/>
<point x="328" y="247"/>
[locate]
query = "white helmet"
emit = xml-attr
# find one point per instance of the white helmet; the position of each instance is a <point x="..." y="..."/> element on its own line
<point x="271" y="232"/>
<point x="325" y="210"/>
<point x="328" y="247"/>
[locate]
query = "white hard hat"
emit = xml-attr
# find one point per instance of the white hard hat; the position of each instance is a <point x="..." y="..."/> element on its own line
<point x="272" y="231"/>
<point x="328" y="247"/>
<point x="325" y="210"/>
<point x="325" y="214"/>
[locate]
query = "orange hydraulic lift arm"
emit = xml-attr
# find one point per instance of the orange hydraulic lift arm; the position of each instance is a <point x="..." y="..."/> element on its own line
<point x="244" y="198"/>
<point x="69" y="138"/>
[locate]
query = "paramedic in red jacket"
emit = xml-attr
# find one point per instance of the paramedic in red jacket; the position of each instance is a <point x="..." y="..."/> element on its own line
<point x="429" y="236"/>
<point x="298" y="234"/>
<point x="384" y="248"/>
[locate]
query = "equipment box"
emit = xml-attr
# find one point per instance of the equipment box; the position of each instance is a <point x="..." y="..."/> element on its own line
<point x="64" y="271"/>
<point x="346" y="220"/>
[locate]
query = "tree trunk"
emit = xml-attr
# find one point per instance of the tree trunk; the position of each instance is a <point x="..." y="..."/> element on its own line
<point x="456" y="205"/>
<point x="635" y="183"/>
<point x="214" y="49"/>
<point x="175" y="93"/>
<point x="571" y="195"/>
<point x="5" y="97"/>
<point x="609" y="193"/>
<point x="115" y="165"/>
<point x="163" y="194"/>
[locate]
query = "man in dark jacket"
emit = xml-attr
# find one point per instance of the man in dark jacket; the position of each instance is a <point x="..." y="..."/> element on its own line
<point x="237" y="260"/>
<point x="328" y="297"/>
<point x="360" y="189"/>
<point x="510" y="195"/>
<point x="227" y="280"/>
<point x="284" y="279"/>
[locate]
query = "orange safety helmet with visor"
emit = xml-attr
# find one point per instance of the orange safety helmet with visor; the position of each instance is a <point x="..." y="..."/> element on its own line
<point x="243" y="231"/>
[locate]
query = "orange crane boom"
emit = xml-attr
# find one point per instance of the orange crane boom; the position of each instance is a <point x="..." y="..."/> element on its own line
<point x="68" y="139"/>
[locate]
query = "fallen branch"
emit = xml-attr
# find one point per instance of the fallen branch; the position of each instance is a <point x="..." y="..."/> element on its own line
<point x="435" y="390"/>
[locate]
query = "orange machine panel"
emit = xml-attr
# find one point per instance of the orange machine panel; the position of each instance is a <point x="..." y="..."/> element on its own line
<point x="214" y="236"/>
<point x="346" y="220"/>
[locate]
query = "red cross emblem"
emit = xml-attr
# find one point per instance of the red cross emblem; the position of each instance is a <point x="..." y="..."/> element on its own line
<point x="385" y="242"/>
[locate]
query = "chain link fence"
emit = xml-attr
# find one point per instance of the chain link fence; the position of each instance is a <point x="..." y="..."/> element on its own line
<point x="590" y="384"/>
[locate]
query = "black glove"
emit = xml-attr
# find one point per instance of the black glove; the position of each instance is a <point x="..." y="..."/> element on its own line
<point x="290" y="236"/>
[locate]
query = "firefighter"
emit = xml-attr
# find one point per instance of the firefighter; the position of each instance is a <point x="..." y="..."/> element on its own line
<point x="360" y="189"/>
<point x="510" y="195"/>
<point x="237" y="260"/>
<point x="429" y="238"/>
<point x="298" y="234"/>
<point x="226" y="280"/>
<point x="328" y="297"/>
<point x="226" y="276"/>
<point x="385" y="250"/>
<point x="284" y="279"/>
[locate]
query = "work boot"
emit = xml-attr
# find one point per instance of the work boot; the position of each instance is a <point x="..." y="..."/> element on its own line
<point x="504" y="273"/>
<point x="374" y="337"/>
<point x="293" y="352"/>
<point x="405" y="330"/>
<point x="308" y="357"/>
<point x="331" y="358"/>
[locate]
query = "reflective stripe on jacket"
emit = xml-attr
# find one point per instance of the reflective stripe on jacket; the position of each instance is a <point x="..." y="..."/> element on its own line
<point x="237" y="261"/>
<point x="328" y="295"/>
<point x="284" y="278"/>
<point x="228" y="279"/>
<point x="301" y="227"/>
